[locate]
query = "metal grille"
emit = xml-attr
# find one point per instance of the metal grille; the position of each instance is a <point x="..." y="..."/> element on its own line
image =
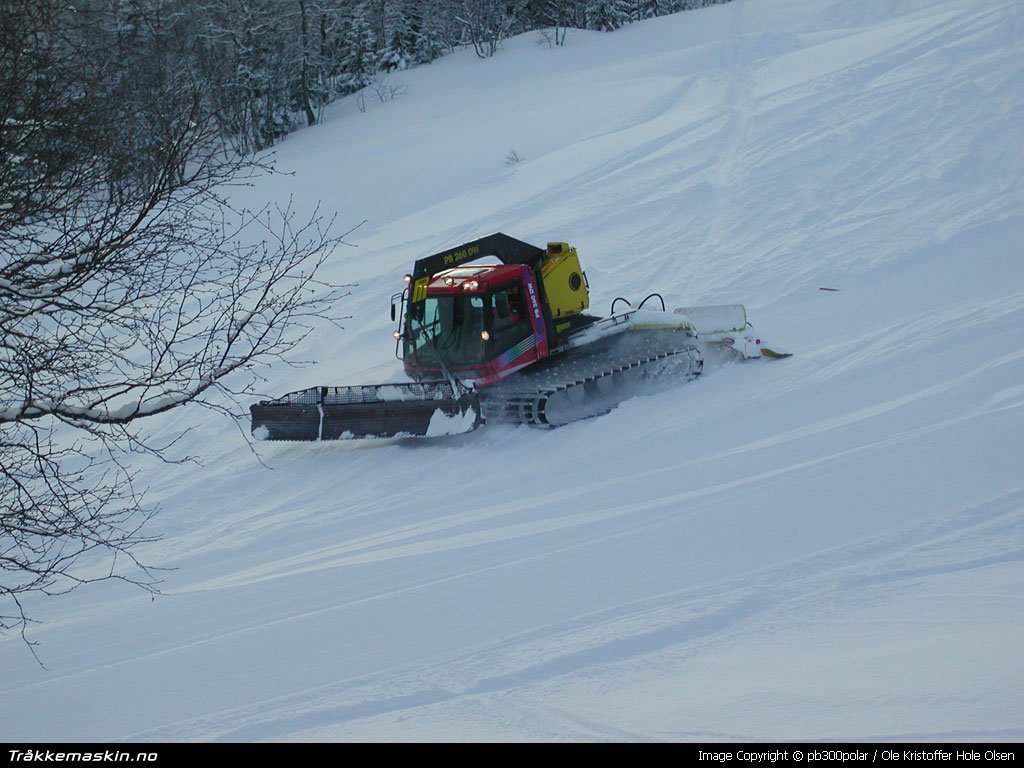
<point x="371" y="393"/>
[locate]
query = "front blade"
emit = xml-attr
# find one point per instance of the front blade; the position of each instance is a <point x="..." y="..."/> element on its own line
<point x="426" y="409"/>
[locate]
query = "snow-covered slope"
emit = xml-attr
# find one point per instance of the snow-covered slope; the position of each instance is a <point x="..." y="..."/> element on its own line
<point x="824" y="547"/>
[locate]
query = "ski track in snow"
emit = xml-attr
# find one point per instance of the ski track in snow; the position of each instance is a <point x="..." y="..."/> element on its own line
<point x="631" y="633"/>
<point x="826" y="547"/>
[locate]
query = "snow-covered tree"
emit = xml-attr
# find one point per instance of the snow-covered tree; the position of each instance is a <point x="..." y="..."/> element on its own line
<point x="486" y="23"/>
<point x="434" y="29"/>
<point x="554" y="17"/>
<point x="361" y="60"/>
<point x="399" y="47"/>
<point x="607" y="15"/>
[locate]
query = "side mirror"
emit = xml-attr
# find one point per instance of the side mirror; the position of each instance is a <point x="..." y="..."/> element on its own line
<point x="392" y="311"/>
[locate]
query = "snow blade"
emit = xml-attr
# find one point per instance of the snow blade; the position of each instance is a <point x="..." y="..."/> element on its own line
<point x="426" y="409"/>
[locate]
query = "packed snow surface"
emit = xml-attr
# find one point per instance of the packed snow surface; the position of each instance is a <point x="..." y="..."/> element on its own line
<point x="824" y="547"/>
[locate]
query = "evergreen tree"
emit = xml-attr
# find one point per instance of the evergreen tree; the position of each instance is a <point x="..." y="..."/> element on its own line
<point x="428" y="28"/>
<point x="399" y="49"/>
<point x="361" y="60"/>
<point x="606" y="15"/>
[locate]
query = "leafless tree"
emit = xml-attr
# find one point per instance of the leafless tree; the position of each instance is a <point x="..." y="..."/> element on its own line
<point x="129" y="286"/>
<point x="554" y="18"/>
<point x="487" y="22"/>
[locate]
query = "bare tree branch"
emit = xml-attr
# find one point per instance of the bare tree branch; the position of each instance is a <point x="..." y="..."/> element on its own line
<point x="129" y="286"/>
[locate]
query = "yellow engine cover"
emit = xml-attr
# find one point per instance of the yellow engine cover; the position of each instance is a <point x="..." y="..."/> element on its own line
<point x="564" y="283"/>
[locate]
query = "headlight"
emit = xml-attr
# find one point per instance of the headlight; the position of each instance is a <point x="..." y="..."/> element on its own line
<point x="485" y="335"/>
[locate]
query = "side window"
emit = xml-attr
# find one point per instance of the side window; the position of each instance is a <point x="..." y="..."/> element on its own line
<point x="517" y="310"/>
<point x="474" y="319"/>
<point x="509" y="320"/>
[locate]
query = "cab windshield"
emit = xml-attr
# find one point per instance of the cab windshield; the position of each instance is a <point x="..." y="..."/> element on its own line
<point x="467" y="329"/>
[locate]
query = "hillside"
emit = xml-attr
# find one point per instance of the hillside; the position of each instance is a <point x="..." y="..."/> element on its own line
<point x="825" y="547"/>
